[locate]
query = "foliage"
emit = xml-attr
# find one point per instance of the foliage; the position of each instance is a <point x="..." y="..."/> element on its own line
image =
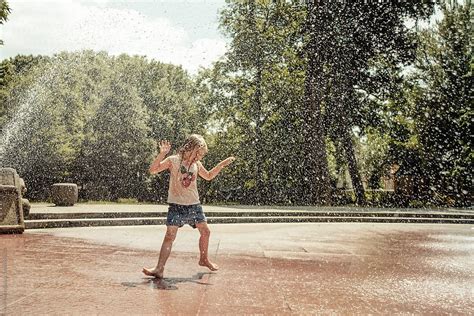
<point x="261" y="97"/>
<point x="382" y="92"/>
<point x="4" y="11"/>
<point x="426" y="114"/>
<point x="443" y="96"/>
<point x="257" y="89"/>
<point x="91" y="118"/>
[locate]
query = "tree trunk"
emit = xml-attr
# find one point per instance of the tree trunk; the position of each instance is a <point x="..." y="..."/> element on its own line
<point x="353" y="168"/>
<point x="316" y="181"/>
<point x="259" y="157"/>
<point x="257" y="114"/>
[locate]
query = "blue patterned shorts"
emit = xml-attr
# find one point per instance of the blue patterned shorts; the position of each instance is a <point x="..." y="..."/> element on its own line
<point x="179" y="215"/>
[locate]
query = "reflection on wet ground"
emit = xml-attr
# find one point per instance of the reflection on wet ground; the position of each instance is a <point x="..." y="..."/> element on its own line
<point x="309" y="269"/>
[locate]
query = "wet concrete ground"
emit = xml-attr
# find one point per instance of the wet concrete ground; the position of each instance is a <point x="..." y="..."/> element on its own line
<point x="265" y="269"/>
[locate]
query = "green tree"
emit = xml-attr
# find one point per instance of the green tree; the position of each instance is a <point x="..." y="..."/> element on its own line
<point x="443" y="114"/>
<point x="118" y="151"/>
<point x="56" y="109"/>
<point x="256" y="89"/>
<point x="4" y="12"/>
<point x="14" y="75"/>
<point x="291" y="80"/>
<point x="425" y="109"/>
<point x="314" y="130"/>
<point x="349" y="37"/>
<point x="32" y="140"/>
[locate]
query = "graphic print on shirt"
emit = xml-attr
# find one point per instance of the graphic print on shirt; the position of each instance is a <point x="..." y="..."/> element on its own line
<point x="186" y="177"/>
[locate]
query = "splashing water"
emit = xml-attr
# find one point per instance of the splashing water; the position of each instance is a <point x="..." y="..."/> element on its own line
<point x="33" y="102"/>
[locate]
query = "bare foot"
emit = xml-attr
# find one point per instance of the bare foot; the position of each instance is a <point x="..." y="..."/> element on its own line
<point x="210" y="265"/>
<point x="153" y="272"/>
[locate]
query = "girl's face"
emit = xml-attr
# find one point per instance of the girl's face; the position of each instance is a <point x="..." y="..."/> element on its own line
<point x="197" y="154"/>
<point x="201" y="152"/>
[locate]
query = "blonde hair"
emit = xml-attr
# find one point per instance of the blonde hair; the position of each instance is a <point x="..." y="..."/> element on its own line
<point x="192" y="142"/>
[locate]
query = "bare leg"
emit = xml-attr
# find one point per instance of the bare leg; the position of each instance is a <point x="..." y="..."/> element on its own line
<point x="164" y="253"/>
<point x="203" y="247"/>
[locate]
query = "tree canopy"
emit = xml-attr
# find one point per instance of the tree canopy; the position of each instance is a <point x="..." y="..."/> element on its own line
<point x="312" y="97"/>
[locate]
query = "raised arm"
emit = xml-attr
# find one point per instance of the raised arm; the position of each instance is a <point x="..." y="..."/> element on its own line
<point x="209" y="175"/>
<point x="158" y="164"/>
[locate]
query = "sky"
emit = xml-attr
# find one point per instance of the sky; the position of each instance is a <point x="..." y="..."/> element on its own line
<point x="181" y="32"/>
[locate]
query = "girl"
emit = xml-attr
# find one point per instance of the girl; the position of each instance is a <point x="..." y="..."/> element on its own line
<point x="183" y="197"/>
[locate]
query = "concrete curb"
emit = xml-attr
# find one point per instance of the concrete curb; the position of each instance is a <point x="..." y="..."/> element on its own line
<point x="63" y="220"/>
<point x="48" y="216"/>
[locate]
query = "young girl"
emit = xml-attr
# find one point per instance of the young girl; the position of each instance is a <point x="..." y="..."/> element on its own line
<point x="183" y="197"/>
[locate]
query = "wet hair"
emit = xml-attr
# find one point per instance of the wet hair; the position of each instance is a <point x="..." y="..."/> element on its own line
<point x="192" y="142"/>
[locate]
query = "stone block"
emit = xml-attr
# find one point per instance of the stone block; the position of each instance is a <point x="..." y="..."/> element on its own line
<point x="64" y="194"/>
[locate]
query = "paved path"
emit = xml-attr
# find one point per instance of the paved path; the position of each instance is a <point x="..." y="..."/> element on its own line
<point x="265" y="269"/>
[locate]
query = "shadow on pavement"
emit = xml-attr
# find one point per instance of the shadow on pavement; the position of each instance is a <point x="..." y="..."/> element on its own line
<point x="170" y="282"/>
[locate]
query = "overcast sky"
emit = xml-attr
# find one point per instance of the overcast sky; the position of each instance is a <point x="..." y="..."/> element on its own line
<point x="182" y="32"/>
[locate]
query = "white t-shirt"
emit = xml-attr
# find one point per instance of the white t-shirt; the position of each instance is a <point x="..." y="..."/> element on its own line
<point x="183" y="182"/>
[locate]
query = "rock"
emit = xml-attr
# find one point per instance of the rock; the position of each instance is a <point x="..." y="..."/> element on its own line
<point x="64" y="194"/>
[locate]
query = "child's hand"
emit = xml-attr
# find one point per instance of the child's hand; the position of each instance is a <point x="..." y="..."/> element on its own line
<point x="165" y="147"/>
<point x="227" y="161"/>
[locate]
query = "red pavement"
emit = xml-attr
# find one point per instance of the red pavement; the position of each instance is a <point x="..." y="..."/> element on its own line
<point x="347" y="269"/>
